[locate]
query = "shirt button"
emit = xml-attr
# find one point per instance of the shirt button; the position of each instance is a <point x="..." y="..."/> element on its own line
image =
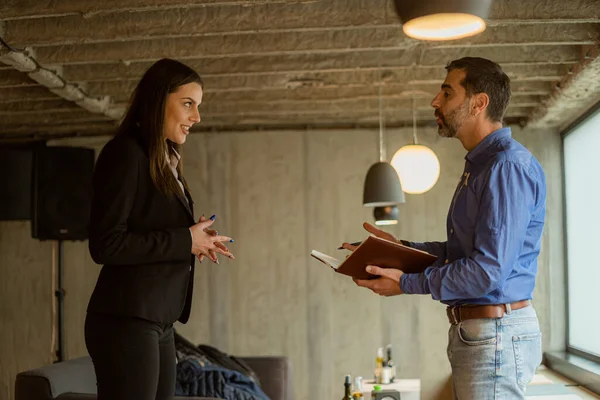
<point x="451" y="230"/>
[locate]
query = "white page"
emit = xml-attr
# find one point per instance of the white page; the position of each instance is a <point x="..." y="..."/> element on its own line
<point x="332" y="262"/>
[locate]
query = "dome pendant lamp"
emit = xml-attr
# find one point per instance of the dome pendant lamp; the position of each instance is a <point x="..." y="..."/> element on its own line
<point x="382" y="188"/>
<point x="442" y="19"/>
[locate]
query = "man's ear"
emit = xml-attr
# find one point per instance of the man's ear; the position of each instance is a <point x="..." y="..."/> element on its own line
<point x="479" y="103"/>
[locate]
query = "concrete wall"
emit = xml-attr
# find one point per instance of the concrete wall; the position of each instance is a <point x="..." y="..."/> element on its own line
<point x="281" y="194"/>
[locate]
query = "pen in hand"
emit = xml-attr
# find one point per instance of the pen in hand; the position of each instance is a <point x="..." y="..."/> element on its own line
<point x="351" y="244"/>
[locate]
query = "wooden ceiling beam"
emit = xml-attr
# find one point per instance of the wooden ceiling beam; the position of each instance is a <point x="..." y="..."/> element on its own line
<point x="200" y="22"/>
<point x="301" y="43"/>
<point x="205" y="23"/>
<point x="367" y="103"/>
<point x="25" y="9"/>
<point x="33" y="106"/>
<point x="134" y="71"/>
<point x="33" y="132"/>
<point x="20" y="94"/>
<point x="405" y="76"/>
<point x="502" y="11"/>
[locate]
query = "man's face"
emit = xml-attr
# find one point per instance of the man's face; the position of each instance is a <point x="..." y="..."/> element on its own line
<point x="451" y="105"/>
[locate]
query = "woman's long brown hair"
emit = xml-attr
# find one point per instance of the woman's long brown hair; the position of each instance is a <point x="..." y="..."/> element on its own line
<point x="145" y="119"/>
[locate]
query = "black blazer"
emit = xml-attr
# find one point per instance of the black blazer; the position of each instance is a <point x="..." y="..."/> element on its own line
<point x="141" y="236"/>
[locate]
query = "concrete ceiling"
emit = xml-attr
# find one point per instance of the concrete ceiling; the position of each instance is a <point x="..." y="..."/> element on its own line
<point x="272" y="64"/>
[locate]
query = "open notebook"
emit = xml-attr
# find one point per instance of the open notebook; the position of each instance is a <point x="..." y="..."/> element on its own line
<point x="380" y="252"/>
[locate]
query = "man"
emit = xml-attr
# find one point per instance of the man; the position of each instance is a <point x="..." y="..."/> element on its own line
<point x="485" y="272"/>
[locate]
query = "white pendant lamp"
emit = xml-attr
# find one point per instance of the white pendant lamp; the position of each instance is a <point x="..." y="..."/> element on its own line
<point x="442" y="20"/>
<point x="417" y="166"/>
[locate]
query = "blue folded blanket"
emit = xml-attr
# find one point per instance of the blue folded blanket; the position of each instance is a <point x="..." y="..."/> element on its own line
<point x="209" y="380"/>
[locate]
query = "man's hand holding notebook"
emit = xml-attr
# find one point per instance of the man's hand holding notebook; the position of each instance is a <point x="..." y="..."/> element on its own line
<point x="379" y="252"/>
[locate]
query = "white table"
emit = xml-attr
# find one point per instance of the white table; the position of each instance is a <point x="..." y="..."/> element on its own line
<point x="410" y="389"/>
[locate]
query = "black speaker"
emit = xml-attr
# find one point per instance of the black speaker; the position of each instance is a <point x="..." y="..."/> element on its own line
<point x="15" y="184"/>
<point x="61" y="193"/>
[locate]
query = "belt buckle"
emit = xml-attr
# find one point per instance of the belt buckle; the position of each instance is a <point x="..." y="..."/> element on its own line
<point x="453" y="314"/>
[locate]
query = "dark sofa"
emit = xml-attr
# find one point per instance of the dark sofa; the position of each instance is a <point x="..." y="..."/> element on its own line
<point x="75" y="380"/>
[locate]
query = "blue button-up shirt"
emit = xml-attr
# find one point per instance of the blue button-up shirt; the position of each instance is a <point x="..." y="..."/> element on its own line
<point x="494" y="228"/>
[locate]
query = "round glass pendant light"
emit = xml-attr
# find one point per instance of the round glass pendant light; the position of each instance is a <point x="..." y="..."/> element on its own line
<point x="417" y="166"/>
<point x="442" y="20"/>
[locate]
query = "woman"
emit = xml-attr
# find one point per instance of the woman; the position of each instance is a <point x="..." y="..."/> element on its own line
<point x="143" y="230"/>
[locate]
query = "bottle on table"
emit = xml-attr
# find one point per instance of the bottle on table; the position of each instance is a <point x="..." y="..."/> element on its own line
<point x="357" y="392"/>
<point x="347" y="388"/>
<point x="390" y="363"/>
<point x="379" y="365"/>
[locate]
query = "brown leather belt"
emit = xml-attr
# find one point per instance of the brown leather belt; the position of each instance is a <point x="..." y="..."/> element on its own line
<point x="457" y="314"/>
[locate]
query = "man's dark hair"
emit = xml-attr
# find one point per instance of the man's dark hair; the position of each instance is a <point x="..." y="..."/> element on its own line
<point x="485" y="76"/>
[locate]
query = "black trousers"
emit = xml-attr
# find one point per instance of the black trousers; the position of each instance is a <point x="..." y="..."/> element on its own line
<point x="133" y="358"/>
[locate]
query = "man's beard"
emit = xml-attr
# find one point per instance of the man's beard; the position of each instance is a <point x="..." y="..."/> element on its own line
<point x="451" y="123"/>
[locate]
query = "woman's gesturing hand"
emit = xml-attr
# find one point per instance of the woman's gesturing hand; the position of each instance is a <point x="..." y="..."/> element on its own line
<point x="206" y="242"/>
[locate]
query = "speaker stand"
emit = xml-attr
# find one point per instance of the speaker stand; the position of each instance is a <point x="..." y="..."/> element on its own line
<point x="60" y="296"/>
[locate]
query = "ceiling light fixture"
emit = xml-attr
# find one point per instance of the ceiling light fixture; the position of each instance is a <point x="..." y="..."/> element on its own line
<point x="442" y="19"/>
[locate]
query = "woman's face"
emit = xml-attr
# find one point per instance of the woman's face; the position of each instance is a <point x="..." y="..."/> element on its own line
<point x="181" y="112"/>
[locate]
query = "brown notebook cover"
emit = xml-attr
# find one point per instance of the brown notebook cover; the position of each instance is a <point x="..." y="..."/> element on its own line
<point x="382" y="253"/>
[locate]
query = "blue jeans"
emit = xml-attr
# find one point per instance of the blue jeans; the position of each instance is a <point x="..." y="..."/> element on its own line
<point x="495" y="359"/>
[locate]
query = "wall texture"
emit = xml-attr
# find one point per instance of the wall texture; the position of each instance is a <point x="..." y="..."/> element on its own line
<point x="281" y="194"/>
